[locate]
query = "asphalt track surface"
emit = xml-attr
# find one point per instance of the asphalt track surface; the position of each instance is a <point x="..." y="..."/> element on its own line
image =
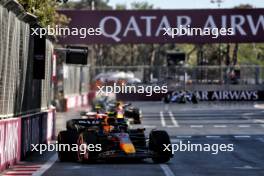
<point x="240" y="124"/>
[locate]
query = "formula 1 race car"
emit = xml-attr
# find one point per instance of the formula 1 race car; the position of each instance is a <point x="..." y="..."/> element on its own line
<point x="133" y="113"/>
<point x="110" y="138"/>
<point x="127" y="111"/>
<point x="118" y="109"/>
<point x="180" y="97"/>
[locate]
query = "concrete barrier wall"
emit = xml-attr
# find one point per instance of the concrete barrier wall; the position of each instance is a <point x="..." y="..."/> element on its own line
<point x="17" y="135"/>
<point x="37" y="128"/>
<point x="10" y="142"/>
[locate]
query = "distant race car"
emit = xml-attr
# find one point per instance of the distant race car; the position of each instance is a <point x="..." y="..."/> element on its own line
<point x="128" y="77"/>
<point x="115" y="139"/>
<point x="180" y="97"/>
<point x="118" y="109"/>
<point x="133" y="113"/>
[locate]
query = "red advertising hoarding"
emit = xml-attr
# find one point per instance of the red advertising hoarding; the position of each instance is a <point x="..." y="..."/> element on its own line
<point x="10" y="142"/>
<point x="148" y="26"/>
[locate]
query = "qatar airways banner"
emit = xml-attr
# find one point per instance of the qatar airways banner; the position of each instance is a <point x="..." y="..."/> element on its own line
<point x="230" y="95"/>
<point x="163" y="26"/>
<point x="226" y="95"/>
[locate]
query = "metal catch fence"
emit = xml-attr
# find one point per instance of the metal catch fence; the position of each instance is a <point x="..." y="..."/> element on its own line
<point x="19" y="92"/>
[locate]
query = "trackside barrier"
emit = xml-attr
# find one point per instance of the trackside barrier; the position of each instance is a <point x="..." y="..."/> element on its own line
<point x="37" y="129"/>
<point x="10" y="142"/>
<point x="17" y="135"/>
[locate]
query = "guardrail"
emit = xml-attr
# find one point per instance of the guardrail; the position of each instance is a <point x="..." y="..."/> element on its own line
<point x="19" y="92"/>
<point x="17" y="135"/>
<point x="36" y="129"/>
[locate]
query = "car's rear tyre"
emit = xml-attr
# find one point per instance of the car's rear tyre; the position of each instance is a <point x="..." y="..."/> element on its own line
<point x="84" y="139"/>
<point x="157" y="140"/>
<point x="70" y="138"/>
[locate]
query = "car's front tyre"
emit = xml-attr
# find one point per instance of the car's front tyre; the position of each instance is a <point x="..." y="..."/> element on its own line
<point x="157" y="140"/>
<point x="66" y="138"/>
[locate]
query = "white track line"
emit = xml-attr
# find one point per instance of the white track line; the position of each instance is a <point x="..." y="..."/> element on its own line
<point x="196" y="126"/>
<point x="243" y="126"/>
<point x="150" y="126"/>
<point x="259" y="106"/>
<point x="163" y="123"/>
<point x="248" y="114"/>
<point x="166" y="169"/>
<point x="220" y="126"/>
<point x="175" y="140"/>
<point x="46" y="166"/>
<point x="213" y="136"/>
<point x="245" y="167"/>
<point x="184" y="136"/>
<point x="174" y="121"/>
<point x="242" y="136"/>
<point x="259" y="121"/>
<point x="261" y="139"/>
<point x="170" y="126"/>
